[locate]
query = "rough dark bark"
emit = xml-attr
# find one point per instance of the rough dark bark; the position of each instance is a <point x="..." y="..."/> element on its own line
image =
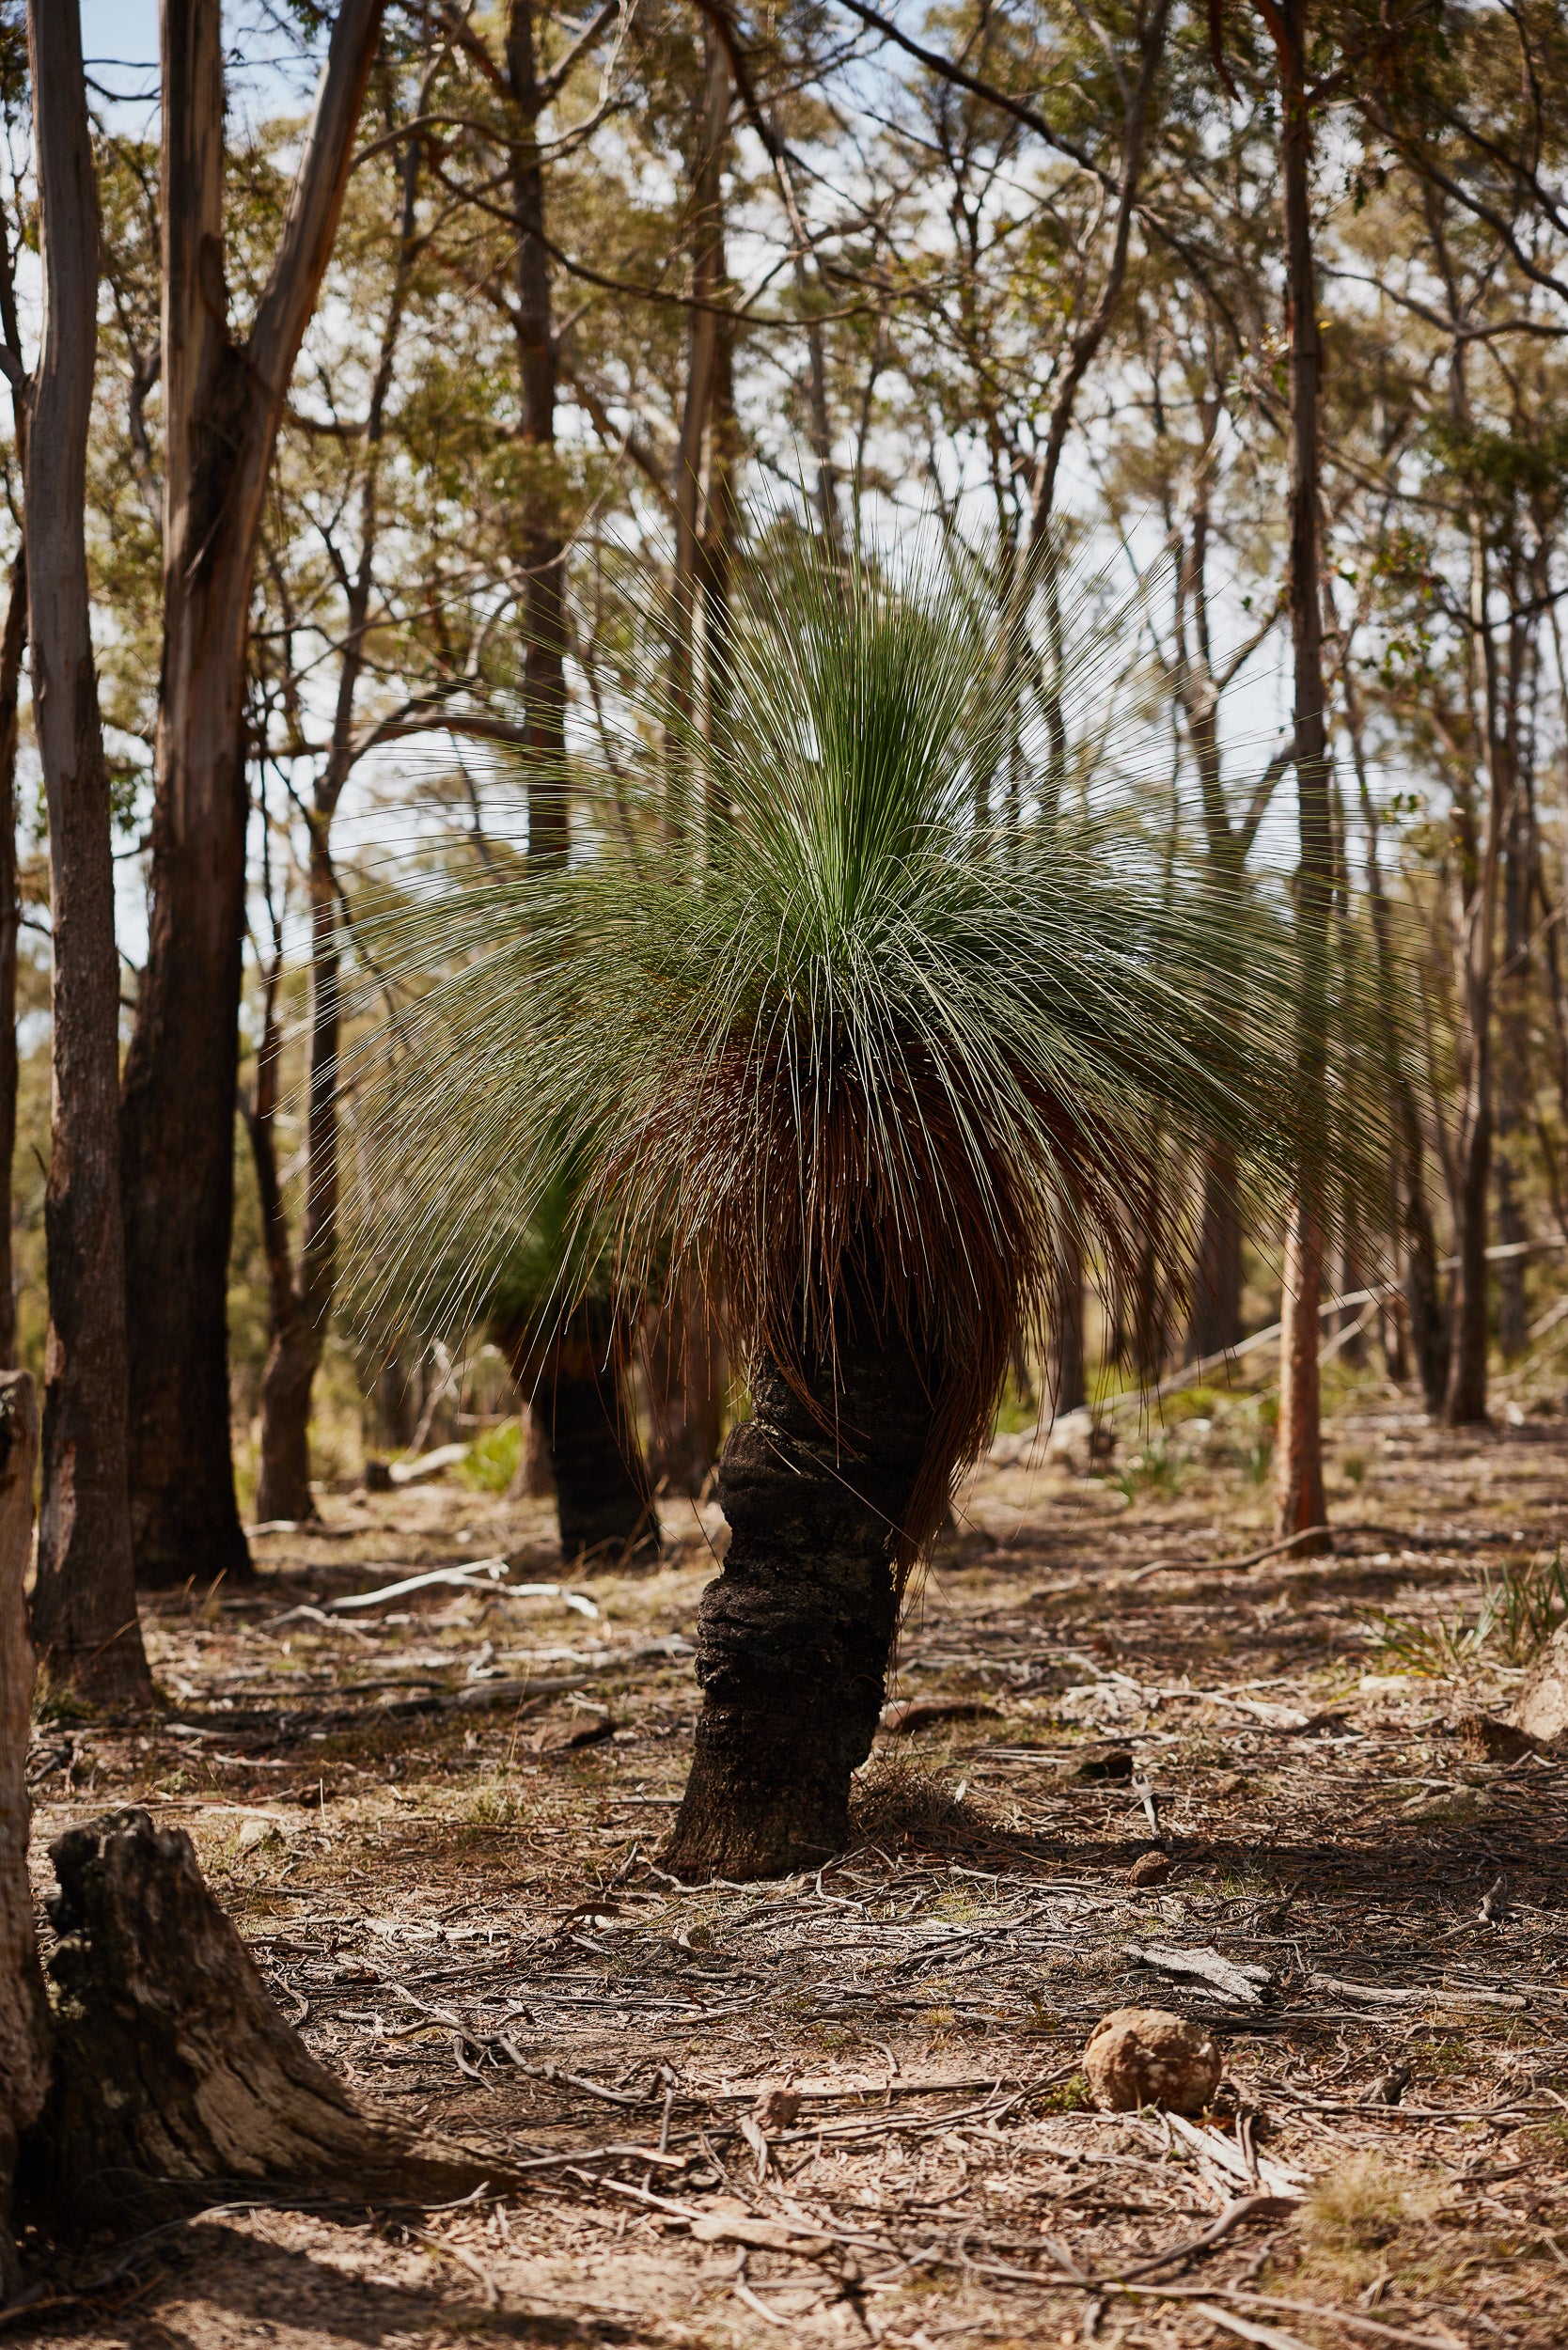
<point x="793" y="1637"/>
<point x="222" y="404"/>
<point x="543" y="546"/>
<point x="174" y="2075"/>
<point x="603" y="1496"/>
<point x="1066" y="1372"/>
<point x="24" y="2031"/>
<point x="83" y="1603"/>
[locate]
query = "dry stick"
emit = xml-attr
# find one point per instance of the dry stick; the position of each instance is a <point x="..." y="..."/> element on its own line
<point x="1205" y="1566"/>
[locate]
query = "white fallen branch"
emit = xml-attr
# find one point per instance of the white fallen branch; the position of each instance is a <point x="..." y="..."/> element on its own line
<point x="471" y="1575"/>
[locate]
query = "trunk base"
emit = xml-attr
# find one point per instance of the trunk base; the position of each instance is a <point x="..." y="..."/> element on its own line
<point x="174" y="2075"/>
<point x="767" y="1795"/>
<point x="603" y="1502"/>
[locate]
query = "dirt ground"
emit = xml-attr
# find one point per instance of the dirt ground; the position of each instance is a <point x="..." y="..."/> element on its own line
<point x="446" y="1866"/>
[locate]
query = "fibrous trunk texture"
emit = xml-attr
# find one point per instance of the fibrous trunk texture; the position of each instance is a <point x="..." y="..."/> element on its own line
<point x="686" y="1382"/>
<point x="174" y="2074"/>
<point x="24" y="2009"/>
<point x="85" y="1606"/>
<point x="793" y="1637"/>
<point x="1216" y="1286"/>
<point x="1299" y="1504"/>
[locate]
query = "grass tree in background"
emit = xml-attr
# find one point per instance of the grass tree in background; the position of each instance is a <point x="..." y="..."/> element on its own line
<point x="861" y="1067"/>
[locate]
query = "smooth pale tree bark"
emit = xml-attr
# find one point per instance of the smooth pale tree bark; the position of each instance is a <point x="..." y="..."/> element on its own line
<point x="1299" y="1503"/>
<point x="543" y="545"/>
<point x="300" y="1301"/>
<point x="24" y="2009"/>
<point x="83" y="1603"/>
<point x="223" y="399"/>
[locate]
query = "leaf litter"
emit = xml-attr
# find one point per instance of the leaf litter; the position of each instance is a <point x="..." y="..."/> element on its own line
<point x="848" y="2107"/>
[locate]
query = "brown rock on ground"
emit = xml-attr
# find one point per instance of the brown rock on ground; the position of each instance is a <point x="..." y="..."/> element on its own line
<point x="1540" y="1708"/>
<point x="1149" y="1868"/>
<point x="1145" y="2056"/>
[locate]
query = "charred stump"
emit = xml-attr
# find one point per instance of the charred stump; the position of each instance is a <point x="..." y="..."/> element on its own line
<point x="23" y="2007"/>
<point x="794" y="1638"/>
<point x="173" y="2072"/>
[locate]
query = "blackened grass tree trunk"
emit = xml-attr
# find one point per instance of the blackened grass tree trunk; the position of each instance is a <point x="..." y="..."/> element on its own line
<point x="794" y="1638"/>
<point x="301" y="1301"/>
<point x="85" y="1602"/>
<point x="1299" y="1502"/>
<point x="223" y="399"/>
<point x="574" y="1384"/>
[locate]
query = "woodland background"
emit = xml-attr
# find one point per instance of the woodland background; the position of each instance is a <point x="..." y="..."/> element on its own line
<point x="616" y="298"/>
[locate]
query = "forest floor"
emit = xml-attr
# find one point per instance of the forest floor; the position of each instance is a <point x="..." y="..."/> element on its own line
<point x="451" y="1885"/>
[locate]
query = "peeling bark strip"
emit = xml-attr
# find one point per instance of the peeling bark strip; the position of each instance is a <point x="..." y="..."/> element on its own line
<point x="24" y="2010"/>
<point x="222" y="404"/>
<point x="85" y="1606"/>
<point x="795" y="1634"/>
<point x="174" y="2073"/>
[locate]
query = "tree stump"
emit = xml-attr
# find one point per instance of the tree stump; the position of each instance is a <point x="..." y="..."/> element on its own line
<point x="23" y="2008"/>
<point x="175" y="2074"/>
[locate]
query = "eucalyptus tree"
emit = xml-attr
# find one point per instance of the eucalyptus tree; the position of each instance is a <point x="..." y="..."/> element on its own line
<point x="84" y="1605"/>
<point x="223" y="392"/>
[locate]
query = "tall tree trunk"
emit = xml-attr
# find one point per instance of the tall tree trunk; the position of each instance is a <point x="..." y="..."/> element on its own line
<point x="707" y="235"/>
<point x="12" y="646"/>
<point x="222" y="404"/>
<point x="85" y="1601"/>
<point x="302" y="1309"/>
<point x="1513" y="1075"/>
<point x="1465" y="1402"/>
<point x="1299" y="1504"/>
<point x="793" y="1637"/>
<point x="1066" y="1372"/>
<point x="544" y="550"/>
<point x="720" y="533"/>
<point x="686" y="1382"/>
<point x="1216" y="1291"/>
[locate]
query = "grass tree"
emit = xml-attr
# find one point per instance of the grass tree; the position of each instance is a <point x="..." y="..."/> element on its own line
<point x="869" y="1067"/>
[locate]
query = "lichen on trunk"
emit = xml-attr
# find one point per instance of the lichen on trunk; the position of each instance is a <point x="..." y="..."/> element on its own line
<point x="794" y="1638"/>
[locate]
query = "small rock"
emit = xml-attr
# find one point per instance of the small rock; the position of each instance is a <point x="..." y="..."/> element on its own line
<point x="1483" y="1739"/>
<point x="1144" y="2056"/>
<point x="1149" y="1868"/>
<point x="777" y="2107"/>
<point x="254" y="1833"/>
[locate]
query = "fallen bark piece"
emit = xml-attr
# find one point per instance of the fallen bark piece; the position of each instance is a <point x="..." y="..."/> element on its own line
<point x="1484" y="1739"/>
<point x="1145" y="2056"/>
<point x="23" y="2008"/>
<point x="174" y="2073"/>
<point x="777" y="2107"/>
<point x="1224" y="2160"/>
<point x="731" y="2223"/>
<point x="1540" y="1708"/>
<point x="1243" y="1984"/>
<point x="907" y="1713"/>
